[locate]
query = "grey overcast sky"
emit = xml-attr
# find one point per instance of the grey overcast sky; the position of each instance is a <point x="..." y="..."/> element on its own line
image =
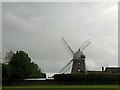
<point x="37" y="28"/>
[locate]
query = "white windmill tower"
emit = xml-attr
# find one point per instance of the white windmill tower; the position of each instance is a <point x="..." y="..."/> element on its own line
<point x="78" y="58"/>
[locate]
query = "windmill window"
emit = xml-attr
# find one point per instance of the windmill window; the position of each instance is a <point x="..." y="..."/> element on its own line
<point x="82" y="56"/>
<point x="78" y="70"/>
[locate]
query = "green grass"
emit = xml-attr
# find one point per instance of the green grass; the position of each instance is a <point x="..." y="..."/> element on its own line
<point x="63" y="86"/>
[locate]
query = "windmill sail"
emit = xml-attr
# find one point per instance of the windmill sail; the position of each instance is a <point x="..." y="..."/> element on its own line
<point x="78" y="60"/>
<point x="70" y="51"/>
<point x="85" y="44"/>
<point x="65" y="66"/>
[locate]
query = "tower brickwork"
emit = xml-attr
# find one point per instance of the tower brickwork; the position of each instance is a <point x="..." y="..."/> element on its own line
<point x="78" y="65"/>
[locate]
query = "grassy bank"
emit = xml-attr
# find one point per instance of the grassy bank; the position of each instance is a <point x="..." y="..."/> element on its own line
<point x="63" y="87"/>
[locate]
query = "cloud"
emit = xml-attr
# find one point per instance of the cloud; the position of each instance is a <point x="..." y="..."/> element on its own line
<point x="37" y="28"/>
<point x="18" y="22"/>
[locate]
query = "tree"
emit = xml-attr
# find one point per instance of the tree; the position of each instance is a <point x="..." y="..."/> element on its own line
<point x="20" y="67"/>
<point x="35" y="71"/>
<point x="20" y="63"/>
<point x="6" y="74"/>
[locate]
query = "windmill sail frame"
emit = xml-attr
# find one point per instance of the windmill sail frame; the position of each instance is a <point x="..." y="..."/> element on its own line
<point x="78" y="58"/>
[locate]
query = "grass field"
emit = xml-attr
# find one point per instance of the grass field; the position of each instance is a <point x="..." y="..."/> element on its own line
<point x="63" y="87"/>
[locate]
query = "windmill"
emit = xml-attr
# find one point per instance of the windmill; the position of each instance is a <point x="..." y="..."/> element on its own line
<point x="78" y="61"/>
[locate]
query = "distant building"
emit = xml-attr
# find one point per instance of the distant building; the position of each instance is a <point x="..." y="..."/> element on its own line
<point x="107" y="70"/>
<point x="112" y="69"/>
<point x="94" y="71"/>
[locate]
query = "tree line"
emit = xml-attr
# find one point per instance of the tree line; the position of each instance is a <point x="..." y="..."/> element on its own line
<point x="18" y="66"/>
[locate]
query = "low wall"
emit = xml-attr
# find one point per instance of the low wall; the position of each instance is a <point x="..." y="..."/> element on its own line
<point x="33" y="82"/>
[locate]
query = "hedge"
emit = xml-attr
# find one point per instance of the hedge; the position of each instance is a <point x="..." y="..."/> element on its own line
<point x="90" y="78"/>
